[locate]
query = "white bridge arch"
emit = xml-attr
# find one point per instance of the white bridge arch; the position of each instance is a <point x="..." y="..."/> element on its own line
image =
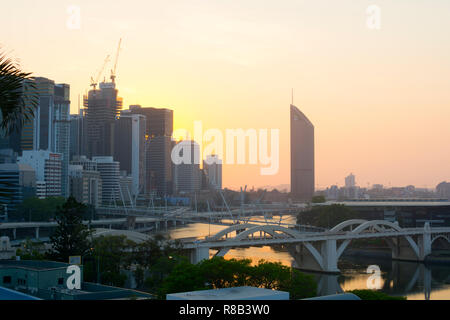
<point x="320" y="251"/>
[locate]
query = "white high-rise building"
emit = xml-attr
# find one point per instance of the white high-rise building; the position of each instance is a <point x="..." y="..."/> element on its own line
<point x="212" y="166"/>
<point x="129" y="149"/>
<point x="52" y="124"/>
<point x="48" y="168"/>
<point x="110" y="175"/>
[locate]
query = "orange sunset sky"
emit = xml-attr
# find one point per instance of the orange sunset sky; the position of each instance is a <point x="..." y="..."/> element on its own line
<point x="379" y="99"/>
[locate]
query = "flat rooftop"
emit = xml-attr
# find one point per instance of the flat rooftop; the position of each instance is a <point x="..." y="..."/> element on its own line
<point x="237" y="293"/>
<point x="33" y="264"/>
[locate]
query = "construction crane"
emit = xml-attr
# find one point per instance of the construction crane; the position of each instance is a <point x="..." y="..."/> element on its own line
<point x="113" y="71"/>
<point x="94" y="82"/>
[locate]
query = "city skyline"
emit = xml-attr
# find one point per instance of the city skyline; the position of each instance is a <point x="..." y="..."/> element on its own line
<point x="383" y="131"/>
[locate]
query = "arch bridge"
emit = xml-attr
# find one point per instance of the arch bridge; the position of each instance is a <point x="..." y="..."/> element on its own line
<point x="320" y="251"/>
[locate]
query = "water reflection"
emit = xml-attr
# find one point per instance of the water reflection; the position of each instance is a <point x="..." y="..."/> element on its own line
<point x="413" y="280"/>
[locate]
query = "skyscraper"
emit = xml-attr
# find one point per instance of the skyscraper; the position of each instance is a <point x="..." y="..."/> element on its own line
<point x="60" y="142"/>
<point x="159" y="129"/>
<point x="302" y="156"/>
<point x="78" y="139"/>
<point x="130" y="147"/>
<point x="102" y="107"/>
<point x="159" y="165"/>
<point x="159" y="120"/>
<point x="43" y="120"/>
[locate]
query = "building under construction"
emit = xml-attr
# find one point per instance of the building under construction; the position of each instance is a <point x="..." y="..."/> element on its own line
<point x="102" y="106"/>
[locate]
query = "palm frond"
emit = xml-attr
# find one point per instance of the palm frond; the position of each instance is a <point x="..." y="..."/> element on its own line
<point x="18" y="95"/>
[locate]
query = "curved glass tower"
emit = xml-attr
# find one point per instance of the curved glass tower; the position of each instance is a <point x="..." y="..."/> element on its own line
<point x="302" y="156"/>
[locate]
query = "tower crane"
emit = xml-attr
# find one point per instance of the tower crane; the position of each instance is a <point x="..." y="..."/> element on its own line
<point x="113" y="71"/>
<point x="94" y="82"/>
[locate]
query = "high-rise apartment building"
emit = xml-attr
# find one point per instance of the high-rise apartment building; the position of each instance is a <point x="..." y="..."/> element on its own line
<point x="102" y="108"/>
<point x="302" y="155"/>
<point x="130" y="148"/>
<point x="212" y="167"/>
<point x="110" y="175"/>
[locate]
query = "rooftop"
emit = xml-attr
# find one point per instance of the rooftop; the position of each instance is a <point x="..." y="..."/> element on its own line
<point x="8" y="294"/>
<point x="33" y="264"/>
<point x="237" y="293"/>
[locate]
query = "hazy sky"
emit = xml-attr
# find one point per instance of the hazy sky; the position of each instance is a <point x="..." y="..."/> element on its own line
<point x="379" y="99"/>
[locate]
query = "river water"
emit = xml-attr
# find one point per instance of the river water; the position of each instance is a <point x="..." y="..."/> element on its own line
<point x="416" y="281"/>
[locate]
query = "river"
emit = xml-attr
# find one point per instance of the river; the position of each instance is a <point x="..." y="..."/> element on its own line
<point x="416" y="281"/>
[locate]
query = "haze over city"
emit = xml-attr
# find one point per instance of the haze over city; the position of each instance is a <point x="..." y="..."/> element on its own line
<point x="232" y="65"/>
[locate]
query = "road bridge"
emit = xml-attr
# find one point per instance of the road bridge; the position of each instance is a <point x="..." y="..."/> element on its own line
<point x="320" y="251"/>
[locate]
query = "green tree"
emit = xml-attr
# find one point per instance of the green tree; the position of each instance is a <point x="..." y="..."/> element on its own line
<point x="71" y="236"/>
<point x="221" y="273"/>
<point x="147" y="253"/>
<point x="31" y="251"/>
<point x="299" y="285"/>
<point x="270" y="275"/>
<point x="35" y="209"/>
<point x="160" y="270"/>
<point x="111" y="253"/>
<point x="184" y="277"/>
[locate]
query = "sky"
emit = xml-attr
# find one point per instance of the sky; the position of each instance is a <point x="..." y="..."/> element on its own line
<point x="379" y="98"/>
